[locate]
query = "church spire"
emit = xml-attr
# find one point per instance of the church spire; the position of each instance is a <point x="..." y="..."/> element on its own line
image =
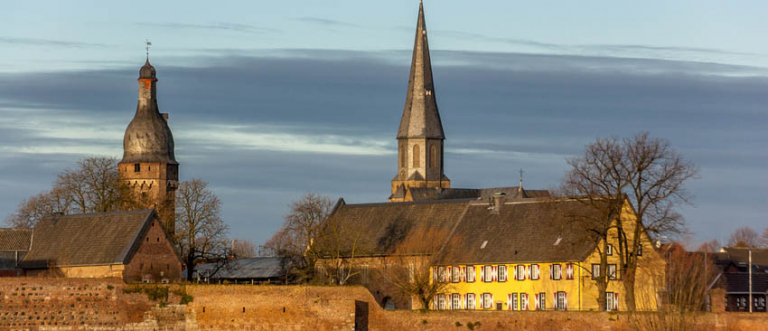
<point x="421" y="118"/>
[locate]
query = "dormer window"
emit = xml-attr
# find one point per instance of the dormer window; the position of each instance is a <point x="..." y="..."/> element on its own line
<point x="137" y="167"/>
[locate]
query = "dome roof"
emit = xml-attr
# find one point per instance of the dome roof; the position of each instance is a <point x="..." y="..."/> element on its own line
<point x="147" y="71"/>
<point x="148" y="137"/>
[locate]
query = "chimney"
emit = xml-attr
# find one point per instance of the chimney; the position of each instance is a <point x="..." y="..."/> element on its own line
<point x="498" y="201"/>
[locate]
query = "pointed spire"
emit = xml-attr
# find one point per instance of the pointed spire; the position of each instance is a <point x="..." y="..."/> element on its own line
<point x="421" y="118"/>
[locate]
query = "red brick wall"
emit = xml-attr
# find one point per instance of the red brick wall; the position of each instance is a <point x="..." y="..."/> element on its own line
<point x="155" y="259"/>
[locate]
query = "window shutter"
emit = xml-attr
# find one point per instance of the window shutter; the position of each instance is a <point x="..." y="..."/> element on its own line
<point x="616" y="301"/>
<point x="566" y="300"/>
<point x="509" y="301"/>
<point x="462" y="272"/>
<point x="506" y="273"/>
<point x="434" y="274"/>
<point x="482" y="301"/>
<point x="482" y="273"/>
<point x="494" y="276"/>
<point x="569" y="271"/>
<point x="554" y="302"/>
<point x="514" y="272"/>
<point x="491" y="300"/>
<point x="435" y="305"/>
<point x="536" y="301"/>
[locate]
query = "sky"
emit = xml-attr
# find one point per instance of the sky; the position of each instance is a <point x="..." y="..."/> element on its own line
<point x="270" y="100"/>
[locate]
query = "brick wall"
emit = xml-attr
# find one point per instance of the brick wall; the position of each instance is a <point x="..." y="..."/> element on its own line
<point x="155" y="259"/>
<point x="98" y="304"/>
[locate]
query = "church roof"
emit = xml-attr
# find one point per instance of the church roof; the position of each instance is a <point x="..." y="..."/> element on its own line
<point x="421" y="118"/>
<point x="468" y="231"/>
<point x="87" y="239"/>
<point x="148" y="137"/>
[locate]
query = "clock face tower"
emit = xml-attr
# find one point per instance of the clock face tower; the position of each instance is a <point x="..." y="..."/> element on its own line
<point x="420" y="136"/>
<point x="149" y="166"/>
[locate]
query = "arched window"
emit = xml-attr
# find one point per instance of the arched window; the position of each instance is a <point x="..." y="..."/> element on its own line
<point x="416" y="157"/>
<point x="402" y="156"/>
<point x="433" y="156"/>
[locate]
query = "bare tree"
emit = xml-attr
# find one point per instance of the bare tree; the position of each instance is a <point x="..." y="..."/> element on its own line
<point x="411" y="268"/>
<point x="201" y="234"/>
<point x="243" y="248"/>
<point x="92" y="186"/>
<point x="689" y="279"/>
<point x="712" y="246"/>
<point x="295" y="241"/>
<point x="651" y="175"/>
<point x="744" y="237"/>
<point x="337" y="246"/>
<point x="764" y="238"/>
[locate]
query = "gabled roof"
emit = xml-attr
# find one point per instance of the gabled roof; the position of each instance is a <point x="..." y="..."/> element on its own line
<point x="471" y="231"/>
<point x="512" y="192"/>
<point x="740" y="256"/>
<point x="738" y="282"/>
<point x="244" y="268"/>
<point x="12" y="239"/>
<point x="87" y="239"/>
<point x="421" y="118"/>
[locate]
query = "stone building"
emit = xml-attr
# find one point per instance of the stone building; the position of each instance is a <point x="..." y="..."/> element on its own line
<point x="130" y="245"/>
<point x="734" y="266"/>
<point x="149" y="165"/>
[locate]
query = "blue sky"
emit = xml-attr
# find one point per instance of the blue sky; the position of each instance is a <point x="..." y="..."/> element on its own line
<point x="269" y="100"/>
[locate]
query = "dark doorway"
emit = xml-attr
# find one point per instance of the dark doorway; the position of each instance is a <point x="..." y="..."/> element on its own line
<point x="361" y="316"/>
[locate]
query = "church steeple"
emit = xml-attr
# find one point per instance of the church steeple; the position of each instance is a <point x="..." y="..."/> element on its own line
<point x="420" y="136"/>
<point x="421" y="118"/>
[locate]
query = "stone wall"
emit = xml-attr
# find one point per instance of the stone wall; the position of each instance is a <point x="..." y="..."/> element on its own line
<point x="155" y="260"/>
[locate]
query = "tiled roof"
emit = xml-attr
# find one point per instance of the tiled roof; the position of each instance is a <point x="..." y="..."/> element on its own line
<point x="738" y="282"/>
<point x="470" y="230"/>
<point x="87" y="239"/>
<point x="245" y="268"/>
<point x="12" y="239"/>
<point x="426" y="193"/>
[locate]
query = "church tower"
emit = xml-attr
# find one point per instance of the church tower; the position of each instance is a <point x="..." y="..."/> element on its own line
<point x="420" y="136"/>
<point x="149" y="166"/>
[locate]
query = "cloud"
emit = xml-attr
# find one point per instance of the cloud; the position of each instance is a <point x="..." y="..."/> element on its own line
<point x="226" y="26"/>
<point x="50" y="42"/>
<point x="326" y="22"/>
<point x="264" y="127"/>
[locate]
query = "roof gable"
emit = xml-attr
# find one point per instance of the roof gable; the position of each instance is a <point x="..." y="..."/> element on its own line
<point x="87" y="239"/>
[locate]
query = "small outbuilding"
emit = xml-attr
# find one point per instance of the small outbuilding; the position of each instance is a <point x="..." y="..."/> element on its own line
<point x="130" y="245"/>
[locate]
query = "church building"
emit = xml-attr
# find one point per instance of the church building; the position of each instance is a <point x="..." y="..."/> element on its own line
<point x="149" y="165"/>
<point x="502" y="248"/>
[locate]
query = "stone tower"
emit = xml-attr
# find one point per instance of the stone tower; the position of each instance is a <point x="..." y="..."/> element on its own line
<point x="420" y="136"/>
<point x="149" y="166"/>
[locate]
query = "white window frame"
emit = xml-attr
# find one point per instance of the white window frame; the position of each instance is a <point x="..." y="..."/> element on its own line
<point x="515" y="303"/>
<point x="535" y="270"/>
<point x="487" y="302"/>
<point x="488" y="273"/>
<point x="613" y="274"/>
<point x="441" y="300"/>
<point x="470" y="274"/>
<point x="471" y="304"/>
<point x="560" y="304"/>
<point x="455" y="274"/>
<point x="595" y="275"/>
<point x="455" y="301"/>
<point x="502" y="274"/>
<point x="609" y="250"/>
<point x="557" y="273"/>
<point x="542" y="301"/>
<point x="520" y="272"/>
<point x="609" y="301"/>
<point x="639" y="250"/>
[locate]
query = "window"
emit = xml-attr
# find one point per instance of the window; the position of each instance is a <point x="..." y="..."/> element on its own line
<point x="595" y="271"/>
<point x="487" y="301"/>
<point x="557" y="272"/>
<point x="402" y="156"/>
<point x="535" y="272"/>
<point x="521" y="272"/>
<point x="612" y="272"/>
<point x="609" y="301"/>
<point x="502" y="273"/>
<point x="470" y="274"/>
<point x="609" y="250"/>
<point x="455" y="301"/>
<point x="471" y="301"/>
<point x="411" y="272"/>
<point x="441" y="274"/>
<point x="560" y="304"/>
<point x="441" y="301"/>
<point x="416" y="156"/>
<point x="639" y="249"/>
<point x="137" y="167"/>
<point x="542" y="301"/>
<point x="455" y="275"/>
<point x="523" y="301"/>
<point x="433" y="156"/>
<point x="513" y="301"/>
<point x="569" y="271"/>
<point x="488" y="273"/>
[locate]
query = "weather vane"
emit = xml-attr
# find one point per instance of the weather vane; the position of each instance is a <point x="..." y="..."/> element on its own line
<point x="149" y="43"/>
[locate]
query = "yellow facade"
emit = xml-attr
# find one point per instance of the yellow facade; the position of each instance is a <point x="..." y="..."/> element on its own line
<point x="564" y="285"/>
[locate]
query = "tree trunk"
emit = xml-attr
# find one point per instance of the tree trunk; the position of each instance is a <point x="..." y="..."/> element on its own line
<point x="190" y="260"/>
<point x="629" y="286"/>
